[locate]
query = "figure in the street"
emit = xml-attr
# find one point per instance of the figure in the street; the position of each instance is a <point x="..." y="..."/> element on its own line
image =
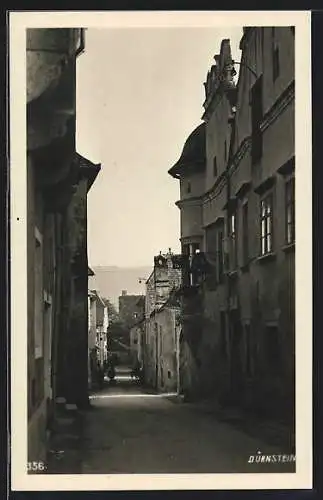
<point x="136" y="372"/>
<point x="100" y="376"/>
<point x="111" y="371"/>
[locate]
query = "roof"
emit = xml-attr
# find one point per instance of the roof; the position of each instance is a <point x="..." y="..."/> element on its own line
<point x="90" y="271"/>
<point x="88" y="169"/>
<point x="193" y="154"/>
<point x="95" y="294"/>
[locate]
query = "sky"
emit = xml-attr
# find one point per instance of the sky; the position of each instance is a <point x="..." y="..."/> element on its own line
<point x="139" y="95"/>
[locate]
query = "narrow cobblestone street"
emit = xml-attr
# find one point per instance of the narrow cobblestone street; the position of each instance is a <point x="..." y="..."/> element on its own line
<point x="130" y="431"/>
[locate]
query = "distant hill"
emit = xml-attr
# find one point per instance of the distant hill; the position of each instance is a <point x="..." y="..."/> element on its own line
<point x="111" y="280"/>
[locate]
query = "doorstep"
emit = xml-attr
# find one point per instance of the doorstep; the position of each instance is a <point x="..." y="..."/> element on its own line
<point x="64" y="455"/>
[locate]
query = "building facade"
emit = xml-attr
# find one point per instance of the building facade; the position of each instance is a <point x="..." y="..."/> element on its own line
<point x="130" y="308"/>
<point x="98" y="324"/>
<point x="160" y="346"/>
<point x="136" y="342"/>
<point x="57" y="185"/>
<point x="243" y="293"/>
<point x="51" y="59"/>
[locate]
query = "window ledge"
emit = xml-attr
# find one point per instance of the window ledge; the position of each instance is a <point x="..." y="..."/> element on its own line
<point x="290" y="247"/>
<point x="267" y="257"/>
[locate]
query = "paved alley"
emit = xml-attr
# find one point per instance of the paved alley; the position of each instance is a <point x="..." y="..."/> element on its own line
<point x="130" y="431"/>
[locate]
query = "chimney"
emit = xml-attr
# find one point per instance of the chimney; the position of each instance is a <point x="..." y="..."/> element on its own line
<point x="124" y="292"/>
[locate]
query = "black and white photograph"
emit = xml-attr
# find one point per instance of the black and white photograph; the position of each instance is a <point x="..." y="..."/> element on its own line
<point x="161" y="307"/>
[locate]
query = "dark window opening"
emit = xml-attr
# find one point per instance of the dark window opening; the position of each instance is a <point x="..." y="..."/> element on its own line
<point x="256" y="119"/>
<point x="189" y="188"/>
<point x="169" y="375"/>
<point x="266" y="225"/>
<point x="290" y="211"/>
<point x="186" y="249"/>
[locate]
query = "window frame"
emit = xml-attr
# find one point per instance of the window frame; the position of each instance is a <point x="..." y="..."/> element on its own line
<point x="290" y="204"/>
<point x="268" y="216"/>
<point x="233" y="240"/>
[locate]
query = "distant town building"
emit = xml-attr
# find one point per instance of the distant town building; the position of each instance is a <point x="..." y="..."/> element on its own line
<point x="161" y="340"/>
<point x="130" y="308"/>
<point x="97" y="331"/>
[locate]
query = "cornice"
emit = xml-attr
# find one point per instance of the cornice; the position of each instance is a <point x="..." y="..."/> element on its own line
<point x="239" y="154"/>
<point x="194" y="201"/>
<point x="285" y="98"/>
